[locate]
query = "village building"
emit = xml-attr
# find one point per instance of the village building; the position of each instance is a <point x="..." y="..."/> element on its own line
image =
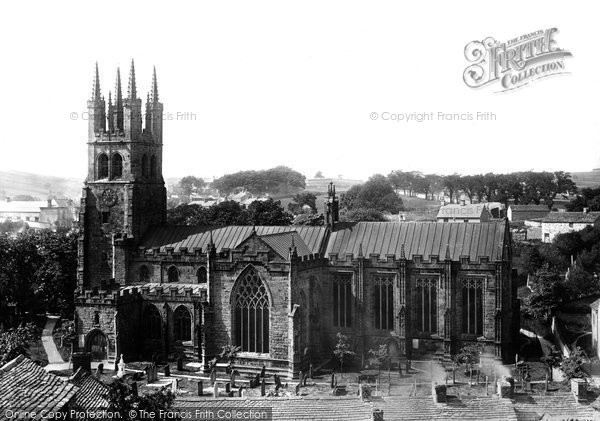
<point x="46" y="214"/>
<point x="473" y="213"/>
<point x="564" y="222"/>
<point x="281" y="293"/>
<point x="518" y="213"/>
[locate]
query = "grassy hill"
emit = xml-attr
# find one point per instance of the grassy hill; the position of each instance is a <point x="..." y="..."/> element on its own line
<point x="14" y="183"/>
<point x="586" y="179"/>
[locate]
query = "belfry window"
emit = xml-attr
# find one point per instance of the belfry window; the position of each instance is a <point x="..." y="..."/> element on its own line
<point x="117" y="166"/>
<point x="251" y="313"/>
<point x="201" y="275"/>
<point x="472" y="306"/>
<point x="383" y="302"/>
<point x="144" y="274"/>
<point x="183" y="324"/>
<point x="144" y="166"/>
<point x="342" y="300"/>
<point x="102" y="166"/>
<point x="152" y="322"/>
<point x="153" y="166"/>
<point x="426" y="305"/>
<point x="173" y="274"/>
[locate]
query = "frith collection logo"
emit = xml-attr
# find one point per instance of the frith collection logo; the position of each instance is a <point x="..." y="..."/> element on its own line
<point x="514" y="63"/>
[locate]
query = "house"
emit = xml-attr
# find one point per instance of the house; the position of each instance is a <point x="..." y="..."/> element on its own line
<point x="47" y="214"/>
<point x="92" y="393"/>
<point x="474" y="213"/>
<point x="563" y="222"/>
<point x="518" y="213"/>
<point x="27" y="388"/>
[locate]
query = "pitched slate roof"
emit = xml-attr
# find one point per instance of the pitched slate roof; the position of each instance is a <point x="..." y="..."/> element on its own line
<point x="92" y="393"/>
<point x="462" y="211"/>
<point x="282" y="242"/>
<point x="576" y="217"/>
<point x="468" y="408"/>
<point x="527" y="212"/>
<point x="420" y="238"/>
<point x="25" y="386"/>
<point x="290" y="408"/>
<point x="225" y="237"/>
<point x="533" y="407"/>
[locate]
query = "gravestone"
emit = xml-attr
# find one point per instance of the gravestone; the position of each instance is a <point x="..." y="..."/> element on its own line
<point x="257" y="380"/>
<point x="263" y="371"/>
<point x="121" y="368"/>
<point x="174" y="385"/>
<point x="242" y="392"/>
<point x="213" y="376"/>
<point x="227" y="387"/>
<point x="310" y="371"/>
<point x="297" y="389"/>
<point x="333" y="380"/>
<point x="304" y="380"/>
<point x="216" y="390"/>
<point x="262" y="387"/>
<point x="232" y="377"/>
<point x="278" y="381"/>
<point x="300" y="375"/>
<point x="167" y="370"/>
<point x="100" y="369"/>
<point x="200" y="388"/>
<point x="180" y="364"/>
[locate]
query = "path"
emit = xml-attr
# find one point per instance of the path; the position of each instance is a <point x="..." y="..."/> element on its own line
<point x="55" y="361"/>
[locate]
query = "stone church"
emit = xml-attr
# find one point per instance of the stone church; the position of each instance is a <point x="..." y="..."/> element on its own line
<point x="281" y="293"/>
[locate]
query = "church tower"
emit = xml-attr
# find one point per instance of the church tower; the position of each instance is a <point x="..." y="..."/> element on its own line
<point x="124" y="191"/>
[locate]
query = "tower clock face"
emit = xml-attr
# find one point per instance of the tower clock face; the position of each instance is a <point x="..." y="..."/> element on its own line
<point x="109" y="197"/>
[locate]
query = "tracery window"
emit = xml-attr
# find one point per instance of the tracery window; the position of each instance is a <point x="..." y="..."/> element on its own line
<point x="117" y="166"/>
<point x="183" y="324"/>
<point x="383" y="301"/>
<point x="472" y="306"/>
<point x="251" y="313"/>
<point x="152" y="322"/>
<point x="342" y="300"/>
<point x="426" y="305"/>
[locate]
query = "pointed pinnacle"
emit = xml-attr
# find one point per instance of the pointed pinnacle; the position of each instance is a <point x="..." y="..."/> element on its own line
<point x="360" y="250"/>
<point x="118" y="94"/>
<point x="402" y="254"/>
<point x="154" y="92"/>
<point x="131" y="89"/>
<point x="96" y="87"/>
<point x="447" y="251"/>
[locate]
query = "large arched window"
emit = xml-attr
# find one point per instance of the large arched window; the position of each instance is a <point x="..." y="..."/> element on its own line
<point x="117" y="166"/>
<point x="251" y="313"/>
<point x="144" y="274"/>
<point x="173" y="274"/>
<point x="201" y="274"/>
<point x="144" y="165"/>
<point x="152" y="322"/>
<point x="153" y="166"/>
<point x="102" y="166"/>
<point x="183" y="324"/>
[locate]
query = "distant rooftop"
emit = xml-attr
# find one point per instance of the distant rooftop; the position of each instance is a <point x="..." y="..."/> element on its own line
<point x="572" y="217"/>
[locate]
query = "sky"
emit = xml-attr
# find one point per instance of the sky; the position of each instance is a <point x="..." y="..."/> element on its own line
<point x="265" y="83"/>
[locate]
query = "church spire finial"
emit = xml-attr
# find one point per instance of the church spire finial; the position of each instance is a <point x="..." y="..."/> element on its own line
<point x="448" y="251"/>
<point x="154" y="92"/>
<point x="131" y="89"/>
<point x="96" y="88"/>
<point x="118" y="106"/>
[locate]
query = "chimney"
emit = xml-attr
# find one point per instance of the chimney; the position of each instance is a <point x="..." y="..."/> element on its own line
<point x="438" y="393"/>
<point x="49" y="203"/>
<point x="586" y="210"/>
<point x="579" y="389"/>
<point x="506" y="387"/>
<point x="462" y="202"/>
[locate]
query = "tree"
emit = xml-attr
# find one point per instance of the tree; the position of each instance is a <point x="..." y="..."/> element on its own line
<point x="16" y="341"/>
<point x="342" y="350"/>
<point x="451" y="184"/>
<point x="268" y="212"/>
<point x="589" y="198"/>
<point x="275" y="180"/>
<point x="380" y="357"/>
<point x="125" y="402"/>
<point x="468" y="355"/>
<point x="377" y="193"/>
<point x="189" y="183"/>
<point x="319" y="174"/>
<point x="302" y="199"/>
<point x="552" y="360"/>
<point x="572" y="366"/>
<point x="548" y="290"/>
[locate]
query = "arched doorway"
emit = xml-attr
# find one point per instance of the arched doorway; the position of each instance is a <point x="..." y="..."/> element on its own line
<point x="97" y="345"/>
